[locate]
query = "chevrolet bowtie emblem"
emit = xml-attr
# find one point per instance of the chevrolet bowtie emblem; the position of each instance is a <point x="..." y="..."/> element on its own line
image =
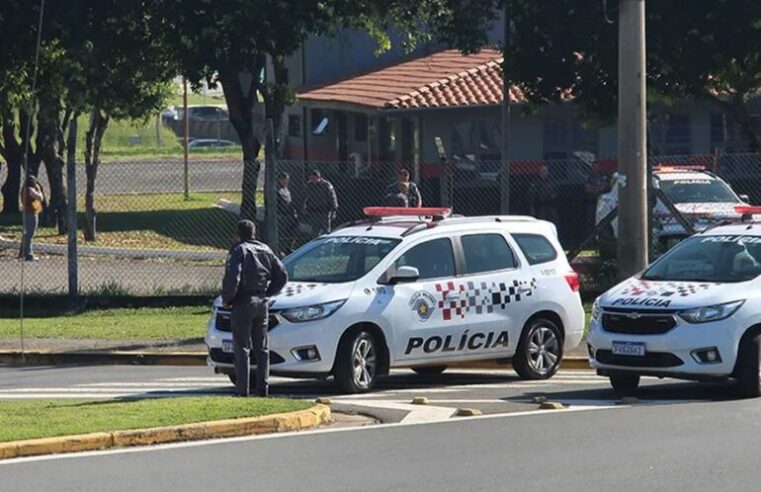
<point x="634" y="316"/>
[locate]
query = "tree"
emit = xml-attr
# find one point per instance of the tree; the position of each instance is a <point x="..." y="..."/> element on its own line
<point x="695" y="50"/>
<point x="40" y="110"/>
<point x="232" y="42"/>
<point x="126" y="74"/>
<point x="98" y="57"/>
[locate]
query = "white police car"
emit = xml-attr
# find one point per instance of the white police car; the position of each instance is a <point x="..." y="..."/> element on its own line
<point x="703" y="199"/>
<point x="695" y="313"/>
<point x="421" y="290"/>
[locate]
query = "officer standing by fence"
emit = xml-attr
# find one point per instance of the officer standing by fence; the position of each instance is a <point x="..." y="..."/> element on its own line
<point x="252" y="275"/>
<point x="321" y="203"/>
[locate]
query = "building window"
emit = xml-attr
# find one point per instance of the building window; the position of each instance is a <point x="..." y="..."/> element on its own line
<point x="360" y="128"/>
<point x="294" y="125"/>
<point x="678" y="134"/>
<point x="320" y="122"/>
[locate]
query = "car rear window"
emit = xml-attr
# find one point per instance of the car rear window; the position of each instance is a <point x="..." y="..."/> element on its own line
<point x="536" y="248"/>
<point x="486" y="253"/>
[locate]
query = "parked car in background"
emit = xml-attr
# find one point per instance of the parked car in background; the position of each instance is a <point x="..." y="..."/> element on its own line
<point x="201" y="113"/>
<point x="210" y="142"/>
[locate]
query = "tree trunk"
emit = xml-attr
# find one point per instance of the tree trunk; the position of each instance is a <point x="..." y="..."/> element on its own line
<point x="240" y="105"/>
<point x="93" y="141"/>
<point x="47" y="139"/>
<point x="12" y="187"/>
<point x="13" y="153"/>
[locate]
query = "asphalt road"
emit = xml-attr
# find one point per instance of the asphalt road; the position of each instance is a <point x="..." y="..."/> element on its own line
<point x="681" y="437"/>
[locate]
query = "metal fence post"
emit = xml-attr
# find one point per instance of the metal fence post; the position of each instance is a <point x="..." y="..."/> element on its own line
<point x="71" y="183"/>
<point x="270" y="189"/>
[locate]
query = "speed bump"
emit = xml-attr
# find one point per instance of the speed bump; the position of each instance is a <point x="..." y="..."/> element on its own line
<point x="468" y="412"/>
<point x="551" y="405"/>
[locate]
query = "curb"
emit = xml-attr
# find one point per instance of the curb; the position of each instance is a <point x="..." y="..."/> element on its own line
<point x="48" y="358"/>
<point x="282" y="422"/>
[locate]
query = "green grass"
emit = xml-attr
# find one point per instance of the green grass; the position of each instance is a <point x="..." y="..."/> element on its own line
<point x="30" y="419"/>
<point x="152" y="221"/>
<point x="117" y="324"/>
<point x="142" y="139"/>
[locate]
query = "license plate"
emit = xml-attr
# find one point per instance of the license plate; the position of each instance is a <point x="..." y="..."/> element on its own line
<point x="629" y="348"/>
<point x="227" y="346"/>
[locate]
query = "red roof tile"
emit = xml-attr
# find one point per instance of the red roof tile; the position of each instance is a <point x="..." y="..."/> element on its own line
<point x="445" y="79"/>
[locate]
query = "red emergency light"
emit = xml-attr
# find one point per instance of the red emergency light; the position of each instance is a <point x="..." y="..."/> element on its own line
<point x="416" y="211"/>
<point x="747" y="211"/>
<point x="675" y="168"/>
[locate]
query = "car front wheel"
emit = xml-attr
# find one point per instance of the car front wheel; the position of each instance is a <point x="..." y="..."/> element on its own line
<point x="356" y="369"/>
<point x="748" y="371"/>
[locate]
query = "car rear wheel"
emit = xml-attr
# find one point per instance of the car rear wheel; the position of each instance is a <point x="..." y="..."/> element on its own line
<point x="625" y="384"/>
<point x="429" y="370"/>
<point x="356" y="369"/>
<point x="540" y="350"/>
<point x="748" y="371"/>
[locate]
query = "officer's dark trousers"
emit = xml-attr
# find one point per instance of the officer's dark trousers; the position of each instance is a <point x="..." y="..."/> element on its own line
<point x="249" y="324"/>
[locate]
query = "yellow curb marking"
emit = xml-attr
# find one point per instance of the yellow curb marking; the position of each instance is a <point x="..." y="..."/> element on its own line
<point x="282" y="422"/>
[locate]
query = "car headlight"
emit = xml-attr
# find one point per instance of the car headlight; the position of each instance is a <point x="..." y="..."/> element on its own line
<point x="711" y="313"/>
<point x="311" y="313"/>
<point x="596" y="311"/>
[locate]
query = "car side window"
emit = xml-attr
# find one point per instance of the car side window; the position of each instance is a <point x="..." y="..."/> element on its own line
<point x="536" y="248"/>
<point x="486" y="253"/>
<point x="433" y="259"/>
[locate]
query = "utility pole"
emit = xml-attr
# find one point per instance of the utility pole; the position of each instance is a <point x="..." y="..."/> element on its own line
<point x="71" y="182"/>
<point x="632" y="136"/>
<point x="185" y="139"/>
<point x="504" y="191"/>
<point x="270" y="189"/>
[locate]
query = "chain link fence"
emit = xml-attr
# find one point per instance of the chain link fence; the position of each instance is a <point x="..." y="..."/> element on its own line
<point x="154" y="239"/>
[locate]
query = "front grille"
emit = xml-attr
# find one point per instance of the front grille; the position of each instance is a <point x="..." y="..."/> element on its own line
<point x="218" y="355"/>
<point x="651" y="359"/>
<point x="637" y="323"/>
<point x="223" y="322"/>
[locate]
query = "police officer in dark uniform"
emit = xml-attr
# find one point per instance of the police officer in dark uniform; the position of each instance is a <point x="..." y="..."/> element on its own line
<point x="321" y="203"/>
<point x="252" y="275"/>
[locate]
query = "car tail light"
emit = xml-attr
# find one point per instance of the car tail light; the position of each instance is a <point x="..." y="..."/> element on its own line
<point x="574" y="281"/>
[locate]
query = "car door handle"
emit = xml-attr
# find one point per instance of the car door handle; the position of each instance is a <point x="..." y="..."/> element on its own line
<point x="452" y="297"/>
<point x="524" y="290"/>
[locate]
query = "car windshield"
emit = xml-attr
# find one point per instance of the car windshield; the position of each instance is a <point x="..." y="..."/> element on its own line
<point x="698" y="191"/>
<point x="728" y="258"/>
<point x="337" y="259"/>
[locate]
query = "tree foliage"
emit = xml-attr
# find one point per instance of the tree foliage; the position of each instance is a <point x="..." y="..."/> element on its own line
<point x="96" y="56"/>
<point x="695" y="50"/>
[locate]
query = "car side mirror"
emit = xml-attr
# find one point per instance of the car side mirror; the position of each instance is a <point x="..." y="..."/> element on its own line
<point x="404" y="274"/>
<point x="745" y="198"/>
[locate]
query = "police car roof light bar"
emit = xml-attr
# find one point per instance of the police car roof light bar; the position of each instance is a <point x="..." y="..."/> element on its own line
<point x="747" y="211"/>
<point x="677" y="168"/>
<point x="436" y="212"/>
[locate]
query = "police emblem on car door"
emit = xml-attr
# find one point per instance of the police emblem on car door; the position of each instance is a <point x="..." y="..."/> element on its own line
<point x="421" y="331"/>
